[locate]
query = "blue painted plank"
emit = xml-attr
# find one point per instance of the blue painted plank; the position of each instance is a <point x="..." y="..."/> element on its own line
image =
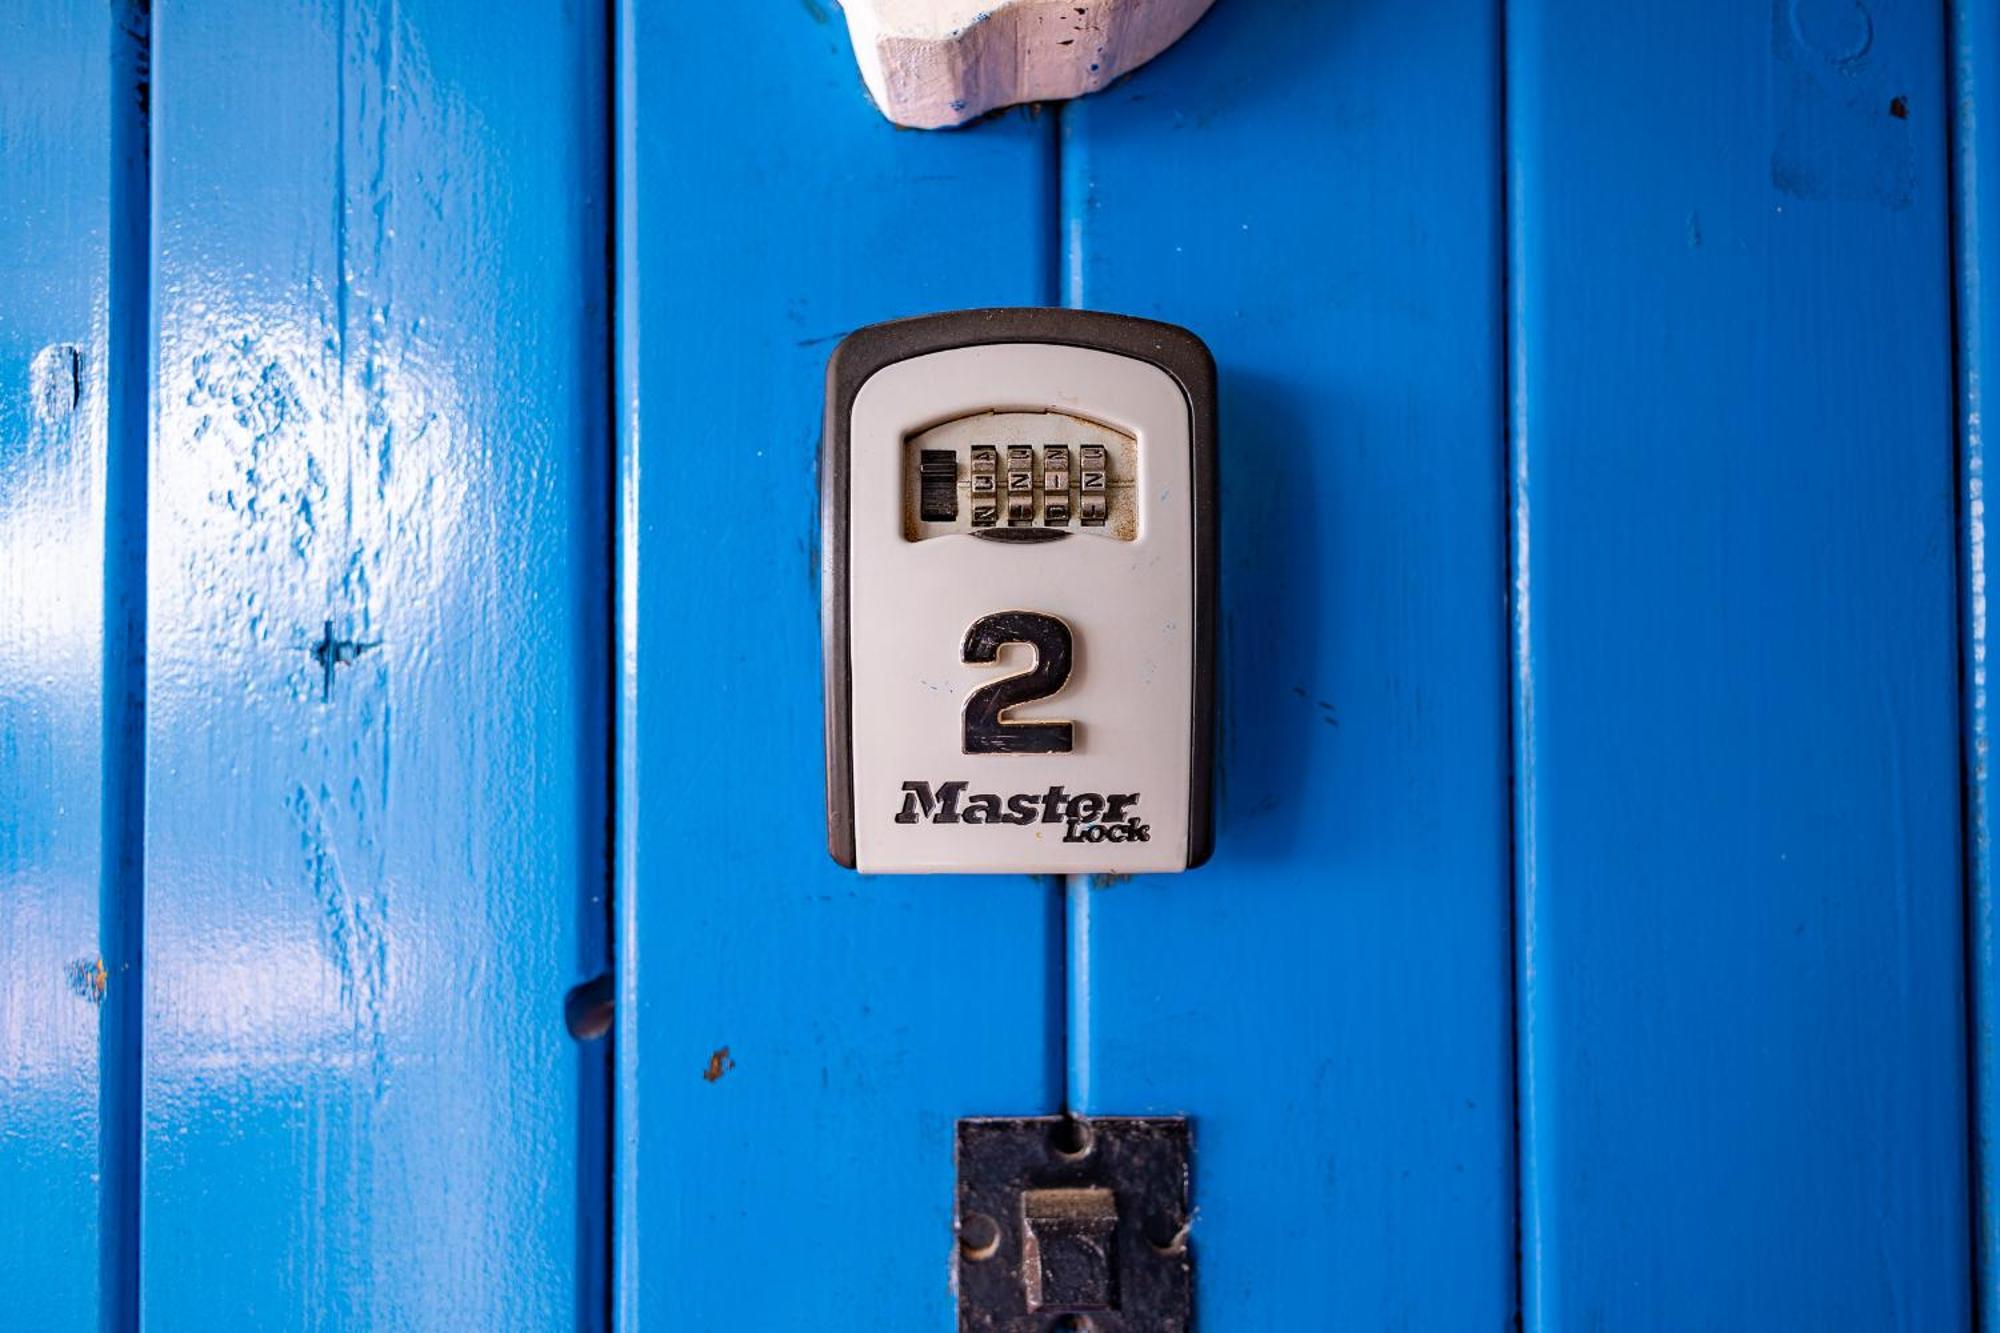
<point x="1743" y="1056"/>
<point x="375" y="861"/>
<point x="1975" y="52"/>
<point x="1315" y="190"/>
<point x="55" y="176"/>
<point x="795" y="1040"/>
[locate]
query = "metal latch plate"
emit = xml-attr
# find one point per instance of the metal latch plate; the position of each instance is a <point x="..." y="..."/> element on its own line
<point x="1073" y="1224"/>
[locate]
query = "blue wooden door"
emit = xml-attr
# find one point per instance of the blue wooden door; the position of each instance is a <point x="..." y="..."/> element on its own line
<point x="409" y="616"/>
<point x="304" y="706"/>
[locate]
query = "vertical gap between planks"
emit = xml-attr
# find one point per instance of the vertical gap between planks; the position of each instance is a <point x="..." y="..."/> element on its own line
<point x="623" y="305"/>
<point x="1063" y="285"/>
<point x="121" y="890"/>
<point x="597" y="1100"/>
<point x="1970" y="36"/>
<point x="1519" y="702"/>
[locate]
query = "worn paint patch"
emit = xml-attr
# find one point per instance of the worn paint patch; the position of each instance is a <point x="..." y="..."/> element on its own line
<point x="55" y="379"/>
<point x="1830" y="89"/>
<point x="88" y="979"/>
<point x="246" y="418"/>
<point x="352" y="911"/>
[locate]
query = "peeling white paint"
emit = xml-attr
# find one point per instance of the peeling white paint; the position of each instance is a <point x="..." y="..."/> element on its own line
<point x="933" y="63"/>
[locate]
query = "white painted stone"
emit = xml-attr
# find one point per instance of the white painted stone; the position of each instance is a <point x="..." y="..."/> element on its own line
<point x="932" y="63"/>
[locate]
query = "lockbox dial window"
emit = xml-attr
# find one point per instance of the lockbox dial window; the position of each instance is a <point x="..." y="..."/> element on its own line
<point x="1027" y="474"/>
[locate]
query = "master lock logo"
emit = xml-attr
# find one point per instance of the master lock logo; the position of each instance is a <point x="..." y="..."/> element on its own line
<point x="1086" y="817"/>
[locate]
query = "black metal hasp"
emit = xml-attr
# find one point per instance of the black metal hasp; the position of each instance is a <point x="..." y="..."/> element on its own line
<point x="1072" y="1224"/>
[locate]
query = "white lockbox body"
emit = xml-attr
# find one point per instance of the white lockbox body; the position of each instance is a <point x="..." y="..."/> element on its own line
<point x="1019" y="591"/>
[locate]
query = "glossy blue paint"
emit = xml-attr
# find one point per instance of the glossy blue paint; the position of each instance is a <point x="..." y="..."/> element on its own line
<point x="797" y="1040"/>
<point x="55" y="301"/>
<point x="1743" y="1056"/>
<point x="1975" y="53"/>
<point x="382" y="415"/>
<point x="381" y="681"/>
<point x="1329" y="997"/>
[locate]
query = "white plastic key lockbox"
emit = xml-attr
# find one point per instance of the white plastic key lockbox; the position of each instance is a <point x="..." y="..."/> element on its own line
<point x="1018" y="592"/>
